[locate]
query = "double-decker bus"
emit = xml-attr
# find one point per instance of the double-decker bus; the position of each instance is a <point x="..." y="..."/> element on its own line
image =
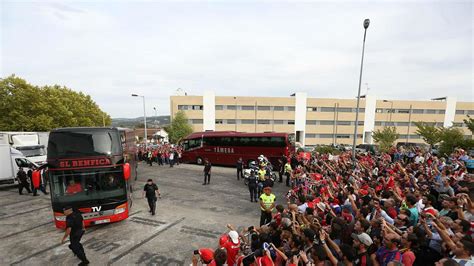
<point x="225" y="147"/>
<point x="91" y="169"/>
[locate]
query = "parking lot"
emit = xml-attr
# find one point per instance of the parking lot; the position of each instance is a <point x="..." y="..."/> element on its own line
<point x="189" y="216"/>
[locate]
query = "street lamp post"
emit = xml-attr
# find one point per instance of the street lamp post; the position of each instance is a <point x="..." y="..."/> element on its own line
<point x="409" y="123"/>
<point x="366" y="25"/>
<point x="391" y="109"/>
<point x="144" y="117"/>
<point x="156" y="117"/>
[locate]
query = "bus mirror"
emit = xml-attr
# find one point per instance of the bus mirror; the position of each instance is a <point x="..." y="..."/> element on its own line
<point x="126" y="171"/>
<point x="35" y="177"/>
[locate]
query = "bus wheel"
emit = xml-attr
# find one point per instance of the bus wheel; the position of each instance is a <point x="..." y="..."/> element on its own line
<point x="199" y="160"/>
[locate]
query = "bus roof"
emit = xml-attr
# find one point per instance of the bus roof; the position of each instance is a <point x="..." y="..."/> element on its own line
<point x="233" y="134"/>
<point x="68" y="129"/>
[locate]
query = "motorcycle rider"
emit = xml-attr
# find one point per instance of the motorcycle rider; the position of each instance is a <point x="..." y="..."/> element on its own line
<point x="261" y="178"/>
<point x="252" y="179"/>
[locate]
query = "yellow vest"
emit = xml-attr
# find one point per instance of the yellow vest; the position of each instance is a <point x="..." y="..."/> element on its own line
<point x="267" y="200"/>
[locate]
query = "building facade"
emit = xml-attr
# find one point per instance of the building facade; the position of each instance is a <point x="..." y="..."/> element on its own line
<point x="319" y="120"/>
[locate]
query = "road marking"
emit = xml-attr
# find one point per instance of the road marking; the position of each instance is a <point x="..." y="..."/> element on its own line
<point x="57" y="245"/>
<point x="144" y="241"/>
<point x="145" y="221"/>
<point x="25" y="212"/>
<point x="24" y="231"/>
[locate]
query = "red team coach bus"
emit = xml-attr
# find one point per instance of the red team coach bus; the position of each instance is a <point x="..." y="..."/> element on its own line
<point x="91" y="169"/>
<point x="225" y="147"/>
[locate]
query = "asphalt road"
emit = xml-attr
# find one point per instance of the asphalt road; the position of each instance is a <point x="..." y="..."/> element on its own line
<point x="189" y="216"/>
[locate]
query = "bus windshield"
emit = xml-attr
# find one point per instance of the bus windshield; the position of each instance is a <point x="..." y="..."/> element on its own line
<point x="30" y="151"/>
<point x="72" y="186"/>
<point x="63" y="144"/>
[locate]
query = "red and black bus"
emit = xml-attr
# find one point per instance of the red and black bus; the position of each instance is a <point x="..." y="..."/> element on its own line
<point x="91" y="169"/>
<point x="225" y="147"/>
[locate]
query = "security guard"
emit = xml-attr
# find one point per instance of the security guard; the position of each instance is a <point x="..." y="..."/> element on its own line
<point x="261" y="179"/>
<point x="151" y="191"/>
<point x="22" y="181"/>
<point x="288" y="171"/>
<point x="253" y="186"/>
<point x="267" y="203"/>
<point x="75" y="230"/>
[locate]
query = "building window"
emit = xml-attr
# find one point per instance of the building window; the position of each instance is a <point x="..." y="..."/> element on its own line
<point x="326" y="122"/>
<point x="379" y="110"/>
<point x="219" y="121"/>
<point x="345" y="136"/>
<point x="248" y="121"/>
<point x="278" y="122"/>
<point x="231" y="121"/>
<point x="182" y="107"/>
<point x="263" y="122"/>
<point x="344" y="123"/>
<point x="460" y="112"/>
<point x="402" y="124"/>
<point x="310" y="136"/>
<point x="327" y="109"/>
<point x="362" y="110"/>
<point x="417" y="111"/>
<point x="442" y="112"/>
<point x="458" y="124"/>
<point x="345" y="110"/>
<point x="196" y="121"/>
<point x="326" y="136"/>
<point x="431" y="111"/>
<point x="361" y="123"/>
<point x="291" y="122"/>
<point x="278" y="108"/>
<point x="290" y="108"/>
<point x="312" y="109"/>
<point x="248" y="107"/>
<point x="378" y="123"/>
<point x="197" y="107"/>
<point x="219" y="107"/>
<point x="470" y="112"/>
<point x="311" y="122"/>
<point x="263" y="108"/>
<point x="403" y="111"/>
<point x="231" y="107"/>
<point x="389" y="124"/>
<point x="439" y="124"/>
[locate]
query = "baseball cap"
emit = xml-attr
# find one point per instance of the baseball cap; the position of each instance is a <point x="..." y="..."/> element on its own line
<point x="207" y="254"/>
<point x="363" y="238"/>
<point x="234" y="236"/>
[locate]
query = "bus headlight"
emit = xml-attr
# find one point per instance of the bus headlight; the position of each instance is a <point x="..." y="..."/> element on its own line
<point x="119" y="210"/>
<point x="61" y="218"/>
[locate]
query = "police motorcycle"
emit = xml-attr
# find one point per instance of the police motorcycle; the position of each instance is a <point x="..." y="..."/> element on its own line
<point x="268" y="167"/>
<point x="253" y="168"/>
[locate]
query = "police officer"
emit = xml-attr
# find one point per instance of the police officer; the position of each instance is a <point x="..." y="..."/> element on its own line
<point x="207" y="171"/>
<point x="151" y="192"/>
<point x="22" y="181"/>
<point x="240" y="166"/>
<point x="267" y="204"/>
<point x="75" y="230"/>
<point x="253" y="186"/>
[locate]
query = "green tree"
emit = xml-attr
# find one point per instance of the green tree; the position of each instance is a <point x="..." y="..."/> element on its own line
<point x="25" y="107"/>
<point x="385" y="137"/>
<point x="452" y="138"/>
<point x="179" y="127"/>
<point x="469" y="122"/>
<point x="430" y="134"/>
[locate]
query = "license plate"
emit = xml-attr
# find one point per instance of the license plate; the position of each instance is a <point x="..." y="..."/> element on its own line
<point x="102" y="221"/>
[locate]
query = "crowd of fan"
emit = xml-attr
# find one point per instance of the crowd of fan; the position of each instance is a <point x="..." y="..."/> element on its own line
<point x="162" y="154"/>
<point x="398" y="208"/>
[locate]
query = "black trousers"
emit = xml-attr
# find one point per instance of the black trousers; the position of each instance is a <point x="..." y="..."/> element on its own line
<point x="253" y="192"/>
<point x="208" y="176"/>
<point x="287" y="179"/>
<point x="240" y="174"/>
<point x="265" y="217"/>
<point x="77" y="247"/>
<point x="152" y="205"/>
<point x="280" y="176"/>
<point x="171" y="163"/>
<point x="22" y="185"/>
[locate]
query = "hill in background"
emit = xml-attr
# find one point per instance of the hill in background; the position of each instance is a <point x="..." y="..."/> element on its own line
<point x="152" y="121"/>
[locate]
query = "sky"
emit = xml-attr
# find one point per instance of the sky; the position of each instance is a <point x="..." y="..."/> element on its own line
<point x="110" y="49"/>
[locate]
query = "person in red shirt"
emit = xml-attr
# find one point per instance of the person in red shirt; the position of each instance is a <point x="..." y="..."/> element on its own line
<point x="232" y="246"/>
<point x="73" y="187"/>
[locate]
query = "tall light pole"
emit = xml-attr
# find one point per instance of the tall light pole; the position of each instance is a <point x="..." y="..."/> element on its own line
<point x="366" y="25"/>
<point x="409" y="123"/>
<point x="144" y="117"/>
<point x="156" y="117"/>
<point x="391" y="109"/>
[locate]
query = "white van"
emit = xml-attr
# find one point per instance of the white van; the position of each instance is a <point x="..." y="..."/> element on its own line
<point x="10" y="161"/>
<point x="29" y="143"/>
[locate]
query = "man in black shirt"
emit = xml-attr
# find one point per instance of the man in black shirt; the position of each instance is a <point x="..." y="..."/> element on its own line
<point x="240" y="166"/>
<point x="207" y="171"/>
<point x="75" y="230"/>
<point x="151" y="192"/>
<point x="22" y="181"/>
